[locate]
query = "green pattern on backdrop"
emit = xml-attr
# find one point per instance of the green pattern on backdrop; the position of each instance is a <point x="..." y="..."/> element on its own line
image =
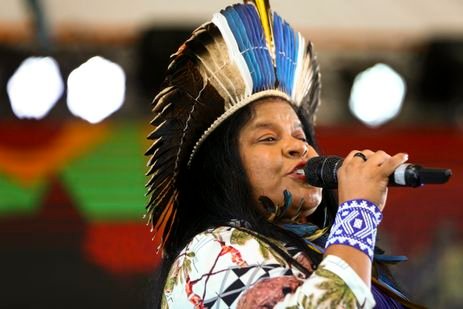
<point x="16" y="199"/>
<point x="109" y="183"/>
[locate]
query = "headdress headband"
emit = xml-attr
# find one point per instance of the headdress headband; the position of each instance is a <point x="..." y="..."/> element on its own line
<point x="245" y="53"/>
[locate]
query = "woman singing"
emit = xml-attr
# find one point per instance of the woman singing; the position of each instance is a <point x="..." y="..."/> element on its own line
<point x="241" y="228"/>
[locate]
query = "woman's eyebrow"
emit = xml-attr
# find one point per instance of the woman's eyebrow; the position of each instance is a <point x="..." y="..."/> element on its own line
<point x="271" y="125"/>
<point x="263" y="125"/>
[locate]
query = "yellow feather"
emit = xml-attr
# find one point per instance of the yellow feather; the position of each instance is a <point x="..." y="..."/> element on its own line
<point x="317" y="234"/>
<point x="263" y="7"/>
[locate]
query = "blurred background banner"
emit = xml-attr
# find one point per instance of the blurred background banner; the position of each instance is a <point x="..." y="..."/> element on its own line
<point x="76" y="82"/>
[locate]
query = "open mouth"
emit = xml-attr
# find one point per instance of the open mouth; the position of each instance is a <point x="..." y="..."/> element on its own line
<point x="298" y="174"/>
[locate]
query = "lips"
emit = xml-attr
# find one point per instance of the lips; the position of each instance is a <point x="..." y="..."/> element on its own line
<point x="298" y="171"/>
<point x="299" y="167"/>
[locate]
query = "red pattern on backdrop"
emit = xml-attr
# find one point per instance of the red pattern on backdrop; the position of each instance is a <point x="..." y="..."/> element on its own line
<point x="32" y="150"/>
<point x="121" y="248"/>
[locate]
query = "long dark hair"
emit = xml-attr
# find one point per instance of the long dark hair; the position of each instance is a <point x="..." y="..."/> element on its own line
<point x="216" y="190"/>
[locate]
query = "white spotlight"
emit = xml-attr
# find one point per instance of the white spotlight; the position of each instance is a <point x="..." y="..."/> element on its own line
<point x="96" y="89"/>
<point x="377" y="95"/>
<point x="35" y="87"/>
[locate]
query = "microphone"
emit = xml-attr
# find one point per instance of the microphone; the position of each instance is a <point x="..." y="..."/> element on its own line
<point x="322" y="172"/>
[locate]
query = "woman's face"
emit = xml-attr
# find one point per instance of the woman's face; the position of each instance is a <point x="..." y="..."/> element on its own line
<point x="273" y="149"/>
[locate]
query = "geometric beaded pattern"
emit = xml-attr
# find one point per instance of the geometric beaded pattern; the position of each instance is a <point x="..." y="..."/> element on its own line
<point x="355" y="225"/>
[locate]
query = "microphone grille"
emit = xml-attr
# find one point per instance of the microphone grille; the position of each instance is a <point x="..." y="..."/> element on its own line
<point x="322" y="171"/>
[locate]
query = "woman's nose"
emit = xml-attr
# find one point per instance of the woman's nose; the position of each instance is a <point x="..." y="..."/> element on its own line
<point x="296" y="148"/>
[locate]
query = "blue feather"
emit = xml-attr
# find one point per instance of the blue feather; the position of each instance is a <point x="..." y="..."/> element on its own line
<point x="261" y="50"/>
<point x="245" y="25"/>
<point x="288" y="200"/>
<point x="240" y="33"/>
<point x="289" y="56"/>
<point x="284" y="57"/>
<point x="286" y="45"/>
<point x="251" y="44"/>
<point x="276" y="40"/>
<point x="296" y="55"/>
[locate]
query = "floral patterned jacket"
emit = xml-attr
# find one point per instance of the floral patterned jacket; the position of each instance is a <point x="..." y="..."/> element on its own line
<point x="227" y="267"/>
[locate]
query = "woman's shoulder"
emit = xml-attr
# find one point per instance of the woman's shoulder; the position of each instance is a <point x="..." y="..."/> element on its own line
<point x="237" y="242"/>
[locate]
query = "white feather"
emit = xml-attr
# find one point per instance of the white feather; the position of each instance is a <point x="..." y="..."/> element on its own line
<point x="299" y="65"/>
<point x="234" y="52"/>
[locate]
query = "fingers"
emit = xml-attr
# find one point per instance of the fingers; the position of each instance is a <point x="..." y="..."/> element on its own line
<point x="393" y="162"/>
<point x="385" y="162"/>
<point x="368" y="179"/>
<point x="361" y="155"/>
<point x="366" y="152"/>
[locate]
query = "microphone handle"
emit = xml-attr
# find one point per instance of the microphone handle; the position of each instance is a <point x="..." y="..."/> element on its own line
<point x="411" y="175"/>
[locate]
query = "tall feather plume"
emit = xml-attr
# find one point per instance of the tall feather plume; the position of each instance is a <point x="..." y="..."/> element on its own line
<point x="265" y="13"/>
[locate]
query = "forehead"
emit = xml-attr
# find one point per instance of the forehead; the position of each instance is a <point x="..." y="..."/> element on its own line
<point x="273" y="111"/>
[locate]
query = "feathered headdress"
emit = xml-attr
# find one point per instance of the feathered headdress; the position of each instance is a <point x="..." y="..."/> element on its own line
<point x="245" y="53"/>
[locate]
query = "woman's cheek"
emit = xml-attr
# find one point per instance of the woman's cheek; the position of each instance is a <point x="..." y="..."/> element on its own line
<point x="260" y="164"/>
<point x="314" y="197"/>
<point x="265" y="182"/>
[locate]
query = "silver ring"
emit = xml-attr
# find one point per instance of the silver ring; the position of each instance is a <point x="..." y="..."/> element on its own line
<point x="360" y="155"/>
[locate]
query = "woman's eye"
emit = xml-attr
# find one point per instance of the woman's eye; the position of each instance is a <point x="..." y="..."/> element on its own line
<point x="301" y="138"/>
<point x="268" y="139"/>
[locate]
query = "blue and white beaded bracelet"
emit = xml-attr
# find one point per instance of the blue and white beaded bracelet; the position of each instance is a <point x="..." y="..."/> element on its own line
<point x="355" y="225"/>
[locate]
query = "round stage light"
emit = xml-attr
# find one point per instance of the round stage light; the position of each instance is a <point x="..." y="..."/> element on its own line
<point x="35" y="87"/>
<point x="96" y="89"/>
<point x="377" y="95"/>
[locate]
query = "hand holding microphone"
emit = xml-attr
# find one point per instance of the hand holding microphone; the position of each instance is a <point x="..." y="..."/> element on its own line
<point x="379" y="169"/>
